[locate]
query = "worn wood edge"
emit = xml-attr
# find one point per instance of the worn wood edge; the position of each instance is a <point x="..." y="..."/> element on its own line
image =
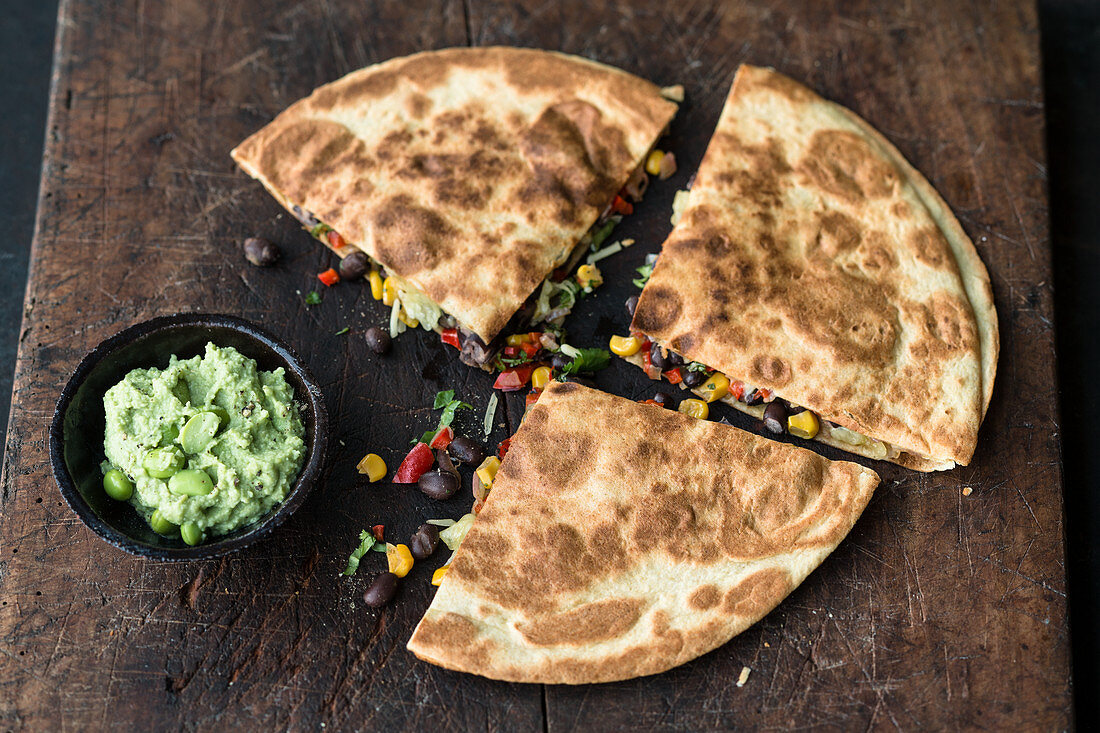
<point x="44" y="175"/>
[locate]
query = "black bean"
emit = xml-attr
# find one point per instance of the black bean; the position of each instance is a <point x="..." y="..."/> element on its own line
<point x="354" y="266"/>
<point x="753" y="398"/>
<point x="381" y="590"/>
<point x="692" y="378"/>
<point x="662" y="398"/>
<point x="260" y="252"/>
<point x="775" y="417"/>
<point x="675" y="359"/>
<point x="438" y="484"/>
<point x="378" y="340"/>
<point x="445" y="463"/>
<point x="631" y="305"/>
<point x="560" y="361"/>
<point x="658" y="358"/>
<point x="424" y="542"/>
<point x="465" y="450"/>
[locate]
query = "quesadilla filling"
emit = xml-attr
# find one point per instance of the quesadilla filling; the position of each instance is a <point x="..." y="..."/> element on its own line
<point x="535" y="330"/>
<point x="778" y="415"/>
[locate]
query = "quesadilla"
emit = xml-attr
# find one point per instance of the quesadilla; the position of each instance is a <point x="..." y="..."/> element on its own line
<point x="623" y="539"/>
<point x="469" y="174"/>
<point x="815" y="279"/>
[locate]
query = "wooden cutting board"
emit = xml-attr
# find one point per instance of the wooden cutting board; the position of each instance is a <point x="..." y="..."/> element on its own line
<point x="945" y="607"/>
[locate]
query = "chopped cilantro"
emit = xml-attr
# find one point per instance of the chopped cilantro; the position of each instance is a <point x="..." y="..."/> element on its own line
<point x="446" y="401"/>
<point x="366" y="543"/>
<point x="342" y="331"/>
<point x="313" y="297"/>
<point x="320" y="230"/>
<point x="586" y="361"/>
<point x="645" y="271"/>
<point x="696" y="367"/>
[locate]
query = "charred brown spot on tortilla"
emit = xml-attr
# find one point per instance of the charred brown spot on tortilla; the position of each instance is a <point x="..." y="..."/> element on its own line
<point x="451" y="630"/>
<point x="771" y="369"/>
<point x="418" y="105"/>
<point x="572" y="153"/>
<point x="587" y="624"/>
<point x="705" y="597"/>
<point x="758" y="593"/>
<point x="838" y="234"/>
<point x="931" y="248"/>
<point x="849" y="317"/>
<point x="843" y="164"/>
<point x="658" y="308"/>
<point x="410" y="237"/>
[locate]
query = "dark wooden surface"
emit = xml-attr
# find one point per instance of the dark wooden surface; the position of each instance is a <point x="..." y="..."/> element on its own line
<point x="940" y="610"/>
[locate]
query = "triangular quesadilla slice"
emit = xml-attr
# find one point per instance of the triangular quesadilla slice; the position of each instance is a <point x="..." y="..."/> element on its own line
<point x="469" y="174"/>
<point x="623" y="539"/>
<point x="827" y="283"/>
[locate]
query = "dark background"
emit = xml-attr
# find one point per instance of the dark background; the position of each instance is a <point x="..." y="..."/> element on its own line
<point x="1070" y="40"/>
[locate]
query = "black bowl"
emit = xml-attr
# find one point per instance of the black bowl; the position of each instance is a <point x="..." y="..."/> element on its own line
<point x="76" y="433"/>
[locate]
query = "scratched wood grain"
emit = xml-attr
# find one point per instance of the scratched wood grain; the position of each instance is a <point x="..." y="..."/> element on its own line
<point x="940" y="610"/>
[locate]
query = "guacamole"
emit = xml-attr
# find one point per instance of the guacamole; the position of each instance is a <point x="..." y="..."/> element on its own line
<point x="207" y="444"/>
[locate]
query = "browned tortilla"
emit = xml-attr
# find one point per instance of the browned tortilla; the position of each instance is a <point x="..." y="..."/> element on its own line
<point x="622" y="539"/>
<point x="470" y="172"/>
<point x="813" y="260"/>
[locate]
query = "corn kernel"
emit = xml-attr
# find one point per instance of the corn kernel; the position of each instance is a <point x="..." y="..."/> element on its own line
<point x="695" y="408"/>
<point x="541" y="377"/>
<point x="589" y="276"/>
<point x="437" y="576"/>
<point x="372" y="466"/>
<point x="653" y="162"/>
<point x="389" y="291"/>
<point x="375" y="284"/>
<point x="517" y="338"/>
<point x="803" y="424"/>
<point x="625" y="345"/>
<point x="716" y="387"/>
<point x="407" y="319"/>
<point x="487" y="471"/>
<point x="399" y="559"/>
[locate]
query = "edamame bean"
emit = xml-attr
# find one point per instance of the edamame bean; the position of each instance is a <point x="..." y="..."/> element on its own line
<point x="117" y="485"/>
<point x="222" y="414"/>
<point x="190" y="482"/>
<point x="162" y="526"/>
<point x="163" y="462"/>
<point x="199" y="431"/>
<point x="191" y="533"/>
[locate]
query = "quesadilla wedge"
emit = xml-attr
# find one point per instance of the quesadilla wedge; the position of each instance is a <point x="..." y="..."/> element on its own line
<point x="623" y="539"/>
<point x="471" y="175"/>
<point x="816" y="280"/>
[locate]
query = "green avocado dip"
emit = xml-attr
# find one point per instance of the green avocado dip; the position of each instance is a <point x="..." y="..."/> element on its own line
<point x="204" y="446"/>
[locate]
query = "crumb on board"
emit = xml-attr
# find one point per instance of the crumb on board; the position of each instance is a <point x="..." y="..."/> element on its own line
<point x="767" y="645"/>
<point x="743" y="677"/>
<point x="967" y="491"/>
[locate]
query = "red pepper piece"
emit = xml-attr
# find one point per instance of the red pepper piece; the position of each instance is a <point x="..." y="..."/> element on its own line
<point x="502" y="449"/>
<point x="737" y="389"/>
<point x="376" y="532"/>
<point x="674" y="376"/>
<point x="530" y="348"/>
<point x="515" y="378"/>
<point x="443" y="438"/>
<point x="450" y="336"/>
<point x="650" y="402"/>
<point x="511" y="351"/>
<point x="764" y="393"/>
<point x="532" y="398"/>
<point x="419" y="460"/>
<point x="621" y="206"/>
<point x="335" y="239"/>
<point x="329" y="277"/>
